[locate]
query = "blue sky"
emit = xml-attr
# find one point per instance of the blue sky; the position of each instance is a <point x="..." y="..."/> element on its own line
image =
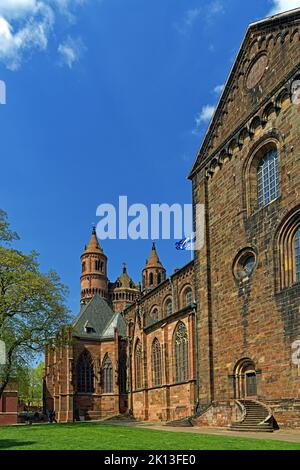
<point x="108" y="98"/>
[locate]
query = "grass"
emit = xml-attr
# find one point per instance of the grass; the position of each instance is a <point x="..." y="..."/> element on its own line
<point x="89" y="436"/>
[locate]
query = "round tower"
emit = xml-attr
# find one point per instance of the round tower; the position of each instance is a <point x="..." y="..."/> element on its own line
<point x="93" y="271"/>
<point x="154" y="273"/>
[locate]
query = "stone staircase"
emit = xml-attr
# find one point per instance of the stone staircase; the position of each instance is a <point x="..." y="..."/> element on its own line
<point x="180" y="423"/>
<point x="256" y="417"/>
<point x="122" y="417"/>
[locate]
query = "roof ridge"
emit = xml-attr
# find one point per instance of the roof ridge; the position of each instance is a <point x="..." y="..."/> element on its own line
<point x="275" y="16"/>
<point x="230" y="77"/>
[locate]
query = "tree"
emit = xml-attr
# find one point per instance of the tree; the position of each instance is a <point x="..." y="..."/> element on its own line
<point x="30" y="381"/>
<point x="32" y="305"/>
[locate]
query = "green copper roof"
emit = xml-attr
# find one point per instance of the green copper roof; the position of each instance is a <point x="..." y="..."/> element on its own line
<point x="97" y="321"/>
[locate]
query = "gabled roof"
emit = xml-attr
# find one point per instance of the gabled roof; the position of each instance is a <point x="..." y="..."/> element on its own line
<point x="116" y="322"/>
<point x="263" y="26"/>
<point x="98" y="316"/>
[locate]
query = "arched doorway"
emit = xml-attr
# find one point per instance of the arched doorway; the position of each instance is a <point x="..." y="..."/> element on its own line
<point x="245" y="383"/>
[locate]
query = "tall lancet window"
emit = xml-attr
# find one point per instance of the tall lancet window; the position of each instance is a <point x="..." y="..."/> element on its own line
<point x="181" y="347"/>
<point x="85" y="373"/>
<point x="107" y="375"/>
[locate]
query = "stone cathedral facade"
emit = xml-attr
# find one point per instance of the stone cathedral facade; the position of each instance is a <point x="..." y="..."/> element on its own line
<point x="218" y="341"/>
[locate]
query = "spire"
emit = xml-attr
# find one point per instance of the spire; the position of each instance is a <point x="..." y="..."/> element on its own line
<point x="153" y="260"/>
<point x="93" y="245"/>
<point x="154" y="273"/>
<point x="124" y="268"/>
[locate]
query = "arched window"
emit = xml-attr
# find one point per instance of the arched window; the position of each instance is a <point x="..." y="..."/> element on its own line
<point x="151" y="279"/>
<point x="188" y="297"/>
<point x="181" y="346"/>
<point x="268" y="178"/>
<point x="168" y="307"/>
<point x="138" y="360"/>
<point x="107" y="375"/>
<point x="154" y="314"/>
<point x="83" y="267"/>
<point x="297" y="255"/>
<point x="289" y="250"/>
<point x="156" y="363"/>
<point x="85" y="373"/>
<point x="158" y="278"/>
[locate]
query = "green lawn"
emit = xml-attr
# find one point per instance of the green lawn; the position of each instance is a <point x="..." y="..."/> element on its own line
<point x="89" y="436"/>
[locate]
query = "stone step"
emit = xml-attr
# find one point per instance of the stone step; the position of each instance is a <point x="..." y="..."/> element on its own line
<point x="181" y="423"/>
<point x="250" y="429"/>
<point x="256" y="418"/>
<point x="250" y="418"/>
<point x="259" y="426"/>
<point x="255" y="413"/>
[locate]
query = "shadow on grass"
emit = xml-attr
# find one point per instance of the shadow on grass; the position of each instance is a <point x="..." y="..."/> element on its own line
<point x="7" y="443"/>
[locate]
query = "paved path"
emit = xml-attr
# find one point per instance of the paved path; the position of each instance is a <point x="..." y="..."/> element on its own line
<point x="287" y="435"/>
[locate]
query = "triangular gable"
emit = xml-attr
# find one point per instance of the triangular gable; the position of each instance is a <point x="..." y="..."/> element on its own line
<point x="116" y="322"/>
<point x="96" y="313"/>
<point x="254" y="73"/>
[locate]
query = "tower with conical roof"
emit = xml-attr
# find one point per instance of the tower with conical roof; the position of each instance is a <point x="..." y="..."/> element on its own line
<point x="154" y="273"/>
<point x="93" y="270"/>
<point x="124" y="291"/>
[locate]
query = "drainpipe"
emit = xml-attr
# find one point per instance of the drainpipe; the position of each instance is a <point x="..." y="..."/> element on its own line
<point x="195" y="311"/>
<point x="130" y="339"/>
<point x="129" y="342"/>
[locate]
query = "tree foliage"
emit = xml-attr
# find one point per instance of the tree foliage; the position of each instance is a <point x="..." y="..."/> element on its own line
<point x="30" y="382"/>
<point x="32" y="304"/>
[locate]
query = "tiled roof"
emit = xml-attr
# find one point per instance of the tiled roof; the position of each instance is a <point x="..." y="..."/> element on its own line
<point x="100" y="319"/>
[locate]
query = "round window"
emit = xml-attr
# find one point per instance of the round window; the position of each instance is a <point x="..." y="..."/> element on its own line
<point x="248" y="265"/>
<point x="256" y="71"/>
<point x="244" y="264"/>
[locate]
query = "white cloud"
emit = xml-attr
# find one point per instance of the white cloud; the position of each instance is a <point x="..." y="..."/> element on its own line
<point x="66" y="7"/>
<point x="33" y="34"/>
<point x="207" y="14"/>
<point x="207" y="111"/>
<point x="283" y="5"/>
<point x="205" y="115"/>
<point x="70" y="51"/>
<point x="26" y="26"/>
<point x="215" y="8"/>
<point x="11" y="9"/>
<point x="218" y="89"/>
<point x="189" y="19"/>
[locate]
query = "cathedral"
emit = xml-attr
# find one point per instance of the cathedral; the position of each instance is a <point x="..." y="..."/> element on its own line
<point x="217" y="342"/>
